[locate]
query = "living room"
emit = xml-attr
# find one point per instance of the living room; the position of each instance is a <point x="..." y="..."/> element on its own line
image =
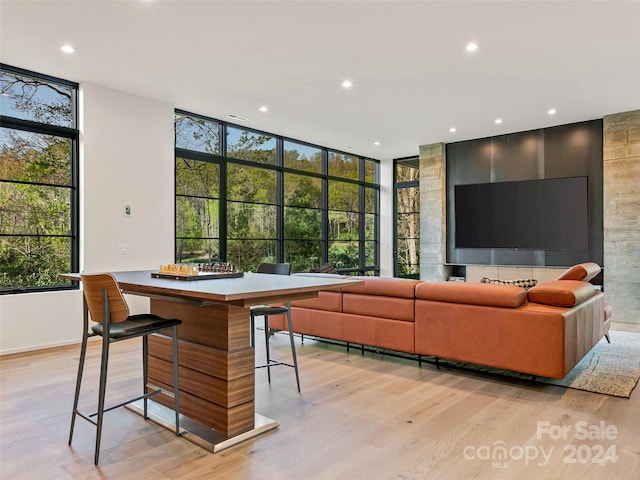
<point x="129" y="158"/>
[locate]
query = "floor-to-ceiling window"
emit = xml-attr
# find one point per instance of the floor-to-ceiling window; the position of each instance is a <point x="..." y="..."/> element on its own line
<point x="304" y="213"/>
<point x="198" y="189"/>
<point x="407" y="213"/>
<point x="252" y="198"/>
<point x="246" y="197"/>
<point x="38" y="181"/>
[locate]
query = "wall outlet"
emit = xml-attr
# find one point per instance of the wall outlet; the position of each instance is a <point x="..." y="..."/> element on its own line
<point x="123" y="249"/>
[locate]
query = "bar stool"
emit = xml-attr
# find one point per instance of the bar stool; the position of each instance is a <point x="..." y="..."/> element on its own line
<point x="103" y="299"/>
<point x="266" y="310"/>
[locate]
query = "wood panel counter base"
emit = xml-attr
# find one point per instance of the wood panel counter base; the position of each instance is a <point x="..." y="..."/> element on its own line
<point x="216" y="365"/>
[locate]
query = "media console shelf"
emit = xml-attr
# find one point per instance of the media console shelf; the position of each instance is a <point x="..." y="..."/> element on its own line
<point x="509" y="272"/>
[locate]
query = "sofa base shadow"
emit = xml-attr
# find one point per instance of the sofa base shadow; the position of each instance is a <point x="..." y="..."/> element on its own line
<point x="438" y="362"/>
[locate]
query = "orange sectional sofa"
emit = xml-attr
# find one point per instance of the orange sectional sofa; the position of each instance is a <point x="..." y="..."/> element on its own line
<point x="544" y="331"/>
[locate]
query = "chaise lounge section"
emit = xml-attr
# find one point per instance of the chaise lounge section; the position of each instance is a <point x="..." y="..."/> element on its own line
<point x="543" y="332"/>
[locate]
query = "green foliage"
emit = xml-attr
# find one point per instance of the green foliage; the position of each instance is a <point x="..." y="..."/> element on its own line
<point x="33" y="261"/>
<point x="246" y="255"/>
<point x="345" y="166"/>
<point x="303" y="255"/>
<point x="308" y="163"/>
<point x="344" y="255"/>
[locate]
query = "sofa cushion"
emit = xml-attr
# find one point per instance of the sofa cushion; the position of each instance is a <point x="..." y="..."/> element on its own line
<point x="384" y="287"/>
<point x="382" y="306"/>
<point x="582" y="271"/>
<point x="326" y="300"/>
<point x="473" y="293"/>
<point x="561" y="293"/>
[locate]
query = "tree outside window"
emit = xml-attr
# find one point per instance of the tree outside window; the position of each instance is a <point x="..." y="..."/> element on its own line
<point x="38" y="170"/>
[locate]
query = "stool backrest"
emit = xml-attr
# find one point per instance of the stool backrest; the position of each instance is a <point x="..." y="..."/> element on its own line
<point x="275" y="268"/>
<point x="93" y="284"/>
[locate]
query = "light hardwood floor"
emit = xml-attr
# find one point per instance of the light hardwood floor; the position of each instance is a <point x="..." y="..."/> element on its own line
<point x="358" y="417"/>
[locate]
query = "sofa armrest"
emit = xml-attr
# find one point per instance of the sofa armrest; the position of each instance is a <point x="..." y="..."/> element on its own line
<point x="582" y="271"/>
<point x="561" y="293"/>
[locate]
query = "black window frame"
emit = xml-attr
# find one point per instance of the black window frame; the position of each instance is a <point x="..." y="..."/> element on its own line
<point x="397" y="186"/>
<point x="281" y="170"/>
<point x="73" y="134"/>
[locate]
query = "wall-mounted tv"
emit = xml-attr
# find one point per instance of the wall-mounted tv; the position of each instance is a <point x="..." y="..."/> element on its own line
<point x="549" y="214"/>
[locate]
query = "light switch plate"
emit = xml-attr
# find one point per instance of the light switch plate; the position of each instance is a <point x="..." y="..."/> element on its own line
<point x="123" y="249"/>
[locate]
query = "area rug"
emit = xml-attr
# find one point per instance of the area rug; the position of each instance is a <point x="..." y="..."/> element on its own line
<point x="610" y="369"/>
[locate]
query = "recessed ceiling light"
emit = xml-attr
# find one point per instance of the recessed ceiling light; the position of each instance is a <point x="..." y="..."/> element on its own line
<point x="237" y="117"/>
<point x="376" y="143"/>
<point x="552" y="111"/>
<point x="452" y="129"/>
<point x="67" y="49"/>
<point x="264" y="109"/>
<point x="497" y="121"/>
<point x="347" y="84"/>
<point x="471" y="47"/>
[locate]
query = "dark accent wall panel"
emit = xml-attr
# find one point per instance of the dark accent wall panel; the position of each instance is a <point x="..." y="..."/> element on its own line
<point x="516" y="157"/>
<point x="572" y="150"/>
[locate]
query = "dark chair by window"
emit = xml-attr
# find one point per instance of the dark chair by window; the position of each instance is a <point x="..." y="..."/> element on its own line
<point x="266" y="310"/>
<point x="108" y="309"/>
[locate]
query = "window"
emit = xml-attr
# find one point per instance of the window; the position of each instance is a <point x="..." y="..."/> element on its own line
<point x="407" y="214"/>
<point x="38" y="181"/>
<point x="259" y="198"/>
<point x="252" y="216"/>
<point x="303" y="219"/>
<point x="197" y="211"/>
<point x="344" y="224"/>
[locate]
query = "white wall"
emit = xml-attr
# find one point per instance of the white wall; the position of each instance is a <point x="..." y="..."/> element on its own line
<point x="127" y="156"/>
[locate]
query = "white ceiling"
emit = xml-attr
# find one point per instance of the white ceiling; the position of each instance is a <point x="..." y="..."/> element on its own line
<point x="413" y="78"/>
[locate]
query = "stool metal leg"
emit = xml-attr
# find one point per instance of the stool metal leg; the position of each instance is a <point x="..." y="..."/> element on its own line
<point x="83" y="353"/>
<point x="266" y="339"/>
<point x="293" y="347"/>
<point x="145" y="373"/>
<point x="252" y="331"/>
<point x="104" y="363"/>
<point x="176" y="383"/>
<point x="101" y="393"/>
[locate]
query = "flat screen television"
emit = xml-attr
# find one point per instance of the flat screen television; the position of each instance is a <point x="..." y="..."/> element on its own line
<point x="549" y="214"/>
